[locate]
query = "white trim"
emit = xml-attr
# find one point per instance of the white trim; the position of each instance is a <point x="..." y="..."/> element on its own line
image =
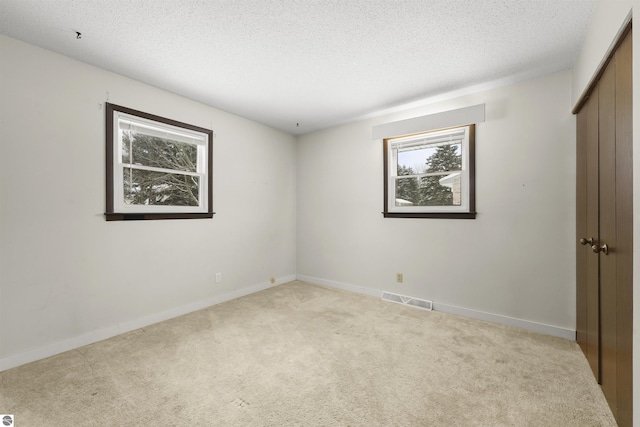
<point x="121" y="328"/>
<point x="529" y="325"/>
<point x="443" y="120"/>
<point x="162" y="170"/>
<point x="337" y="285"/>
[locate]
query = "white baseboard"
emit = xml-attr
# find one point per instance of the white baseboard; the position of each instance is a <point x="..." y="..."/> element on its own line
<point x="338" y="285"/>
<point x="529" y="325"/>
<point x="542" y="328"/>
<point x="121" y="328"/>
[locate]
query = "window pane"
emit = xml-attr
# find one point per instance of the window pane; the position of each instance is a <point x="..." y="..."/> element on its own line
<point x="453" y="182"/>
<point x="142" y="187"/>
<point x="145" y="150"/>
<point x="412" y="162"/>
<point x="407" y="191"/>
<point x="439" y="190"/>
<point x="430" y="158"/>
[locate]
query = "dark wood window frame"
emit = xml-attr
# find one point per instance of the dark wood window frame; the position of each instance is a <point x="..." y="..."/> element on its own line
<point x="111" y="214"/>
<point x="470" y="214"/>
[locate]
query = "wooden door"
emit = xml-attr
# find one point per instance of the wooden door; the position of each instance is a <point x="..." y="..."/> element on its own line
<point x="607" y="232"/>
<point x="623" y="250"/>
<point x="593" y="230"/>
<point x="581" y="228"/>
<point x="604" y="226"/>
<point x="588" y="270"/>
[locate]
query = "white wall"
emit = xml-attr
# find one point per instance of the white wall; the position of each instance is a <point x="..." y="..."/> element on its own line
<point x="607" y="21"/>
<point x="605" y="24"/>
<point x="515" y="260"/>
<point x="68" y="276"/>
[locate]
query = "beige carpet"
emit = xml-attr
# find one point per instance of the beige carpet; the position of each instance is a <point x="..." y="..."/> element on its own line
<point x="304" y="355"/>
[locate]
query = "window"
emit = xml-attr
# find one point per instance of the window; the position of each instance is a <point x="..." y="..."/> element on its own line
<point x="430" y="174"/>
<point x="157" y="168"/>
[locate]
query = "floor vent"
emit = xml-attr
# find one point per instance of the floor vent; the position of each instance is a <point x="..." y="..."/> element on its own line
<point x="414" y="302"/>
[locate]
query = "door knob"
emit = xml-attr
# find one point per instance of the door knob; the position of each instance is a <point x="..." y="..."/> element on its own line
<point x="584" y="241"/>
<point x="604" y="249"/>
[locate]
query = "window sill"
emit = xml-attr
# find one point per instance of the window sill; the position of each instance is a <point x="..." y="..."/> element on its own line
<point x="109" y="216"/>
<point x="446" y="215"/>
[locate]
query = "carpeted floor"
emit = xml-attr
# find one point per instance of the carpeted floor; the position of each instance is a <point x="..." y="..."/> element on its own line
<point x="304" y="355"/>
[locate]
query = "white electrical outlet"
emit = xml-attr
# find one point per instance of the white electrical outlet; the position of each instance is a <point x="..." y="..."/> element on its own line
<point x="218" y="277"/>
<point x="399" y="277"/>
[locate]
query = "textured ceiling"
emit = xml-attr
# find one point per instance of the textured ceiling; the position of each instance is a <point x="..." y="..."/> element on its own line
<point x="315" y="62"/>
